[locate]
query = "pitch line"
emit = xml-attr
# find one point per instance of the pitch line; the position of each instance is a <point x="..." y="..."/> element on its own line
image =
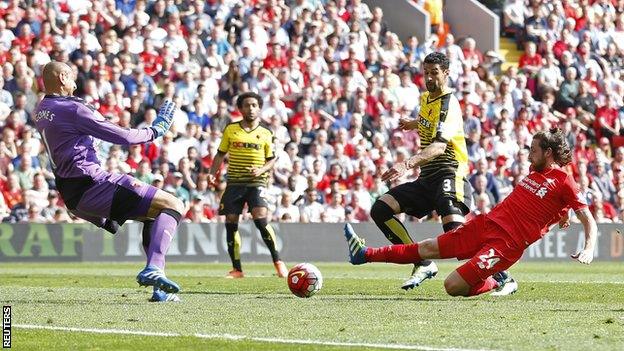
<point x="241" y="338"/>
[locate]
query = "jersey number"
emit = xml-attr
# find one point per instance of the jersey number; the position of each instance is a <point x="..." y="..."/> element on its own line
<point x="488" y="260"/>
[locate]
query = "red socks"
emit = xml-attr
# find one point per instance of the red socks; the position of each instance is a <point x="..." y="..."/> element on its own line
<point x="483" y="287"/>
<point x="394" y="254"/>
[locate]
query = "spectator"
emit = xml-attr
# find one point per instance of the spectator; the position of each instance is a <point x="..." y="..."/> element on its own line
<point x="286" y="207"/>
<point x="334" y="211"/>
<point x="569" y="90"/>
<point x="482" y="171"/>
<point x="311" y="209"/>
<point x="480" y="189"/>
<point x="12" y="192"/>
<point x="317" y="55"/>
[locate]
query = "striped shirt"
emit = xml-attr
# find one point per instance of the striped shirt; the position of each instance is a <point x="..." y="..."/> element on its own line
<point x="246" y="149"/>
<point x="440" y="120"/>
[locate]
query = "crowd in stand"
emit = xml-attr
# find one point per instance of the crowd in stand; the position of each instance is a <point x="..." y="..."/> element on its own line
<point x="335" y="81"/>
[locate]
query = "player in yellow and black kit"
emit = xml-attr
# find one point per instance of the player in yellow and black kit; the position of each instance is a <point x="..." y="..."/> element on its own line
<point x="251" y="157"/>
<point x="443" y="162"/>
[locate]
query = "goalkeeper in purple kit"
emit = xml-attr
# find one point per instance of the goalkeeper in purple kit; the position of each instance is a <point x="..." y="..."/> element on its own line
<point x="68" y="127"/>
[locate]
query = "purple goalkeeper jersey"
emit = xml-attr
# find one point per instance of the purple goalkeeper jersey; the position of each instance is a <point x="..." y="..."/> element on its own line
<point x="68" y="127"/>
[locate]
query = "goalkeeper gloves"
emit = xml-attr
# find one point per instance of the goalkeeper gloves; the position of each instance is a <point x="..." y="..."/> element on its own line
<point x="164" y="118"/>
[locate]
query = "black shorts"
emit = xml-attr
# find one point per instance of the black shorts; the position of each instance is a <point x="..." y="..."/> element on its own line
<point x="420" y="197"/>
<point x="235" y="196"/>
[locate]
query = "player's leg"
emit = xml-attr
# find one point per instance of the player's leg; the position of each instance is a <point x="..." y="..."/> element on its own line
<point x="89" y="200"/>
<point x="460" y="243"/>
<point x="157" y="295"/>
<point x="452" y="206"/>
<point x="166" y="211"/>
<point x="383" y="214"/>
<point x="258" y="205"/>
<point x="107" y="224"/>
<point x="485" y="269"/>
<point x="231" y="206"/>
<point x="453" y="200"/>
<point x="478" y="275"/>
<point x="399" y="253"/>
<point x="133" y="199"/>
<point x="121" y="197"/>
<point x="410" y="198"/>
<point x="233" y="240"/>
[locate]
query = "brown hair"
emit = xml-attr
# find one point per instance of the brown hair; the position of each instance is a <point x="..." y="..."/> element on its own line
<point x="556" y="141"/>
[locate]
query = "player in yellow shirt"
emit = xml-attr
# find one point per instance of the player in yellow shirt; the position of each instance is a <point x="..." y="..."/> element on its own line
<point x="251" y="157"/>
<point x="443" y="162"/>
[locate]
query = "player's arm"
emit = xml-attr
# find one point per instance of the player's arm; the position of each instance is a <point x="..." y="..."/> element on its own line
<point x="92" y="123"/>
<point x="216" y="165"/>
<point x="564" y="218"/>
<point x="449" y="125"/>
<point x="591" y="232"/>
<point x="224" y="146"/>
<point x="432" y="151"/>
<point x="408" y="124"/>
<point x="576" y="201"/>
<point x="257" y="171"/>
<point x="269" y="155"/>
<point x="427" y="154"/>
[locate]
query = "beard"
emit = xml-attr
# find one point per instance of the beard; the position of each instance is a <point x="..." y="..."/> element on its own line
<point x="538" y="165"/>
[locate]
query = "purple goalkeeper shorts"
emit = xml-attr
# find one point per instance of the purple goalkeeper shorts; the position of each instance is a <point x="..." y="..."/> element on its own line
<point x="118" y="196"/>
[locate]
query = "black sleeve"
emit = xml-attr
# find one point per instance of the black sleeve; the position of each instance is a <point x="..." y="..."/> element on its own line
<point x="444" y="108"/>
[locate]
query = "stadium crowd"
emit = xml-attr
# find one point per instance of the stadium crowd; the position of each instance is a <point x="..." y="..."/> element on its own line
<point x="335" y="81"/>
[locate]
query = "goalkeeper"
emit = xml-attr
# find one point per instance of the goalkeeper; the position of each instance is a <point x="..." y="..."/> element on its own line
<point x="68" y="128"/>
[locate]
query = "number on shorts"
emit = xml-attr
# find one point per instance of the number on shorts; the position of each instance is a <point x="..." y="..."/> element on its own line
<point x="446" y="185"/>
<point x="488" y="260"/>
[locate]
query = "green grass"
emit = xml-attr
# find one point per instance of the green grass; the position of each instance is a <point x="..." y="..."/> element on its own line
<point x="560" y="306"/>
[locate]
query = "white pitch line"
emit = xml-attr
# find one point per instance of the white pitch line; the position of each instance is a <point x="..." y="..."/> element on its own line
<point x="97" y="331"/>
<point x="242" y="337"/>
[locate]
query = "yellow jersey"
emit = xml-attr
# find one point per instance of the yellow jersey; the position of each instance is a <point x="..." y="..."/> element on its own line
<point x="246" y="149"/>
<point x="440" y="119"/>
<point x="435" y="10"/>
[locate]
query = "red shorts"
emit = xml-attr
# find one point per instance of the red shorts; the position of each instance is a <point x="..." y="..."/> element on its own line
<point x="487" y="245"/>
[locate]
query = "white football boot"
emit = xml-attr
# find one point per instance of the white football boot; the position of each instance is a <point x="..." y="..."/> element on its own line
<point x="506" y="284"/>
<point x="419" y="275"/>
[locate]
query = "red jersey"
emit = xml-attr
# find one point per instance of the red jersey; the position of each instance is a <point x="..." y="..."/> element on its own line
<point x="606" y="115"/>
<point x="526" y="60"/>
<point x="535" y="203"/>
<point x="152" y="62"/>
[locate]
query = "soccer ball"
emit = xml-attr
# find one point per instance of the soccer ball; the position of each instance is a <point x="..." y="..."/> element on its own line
<point x="305" y="280"/>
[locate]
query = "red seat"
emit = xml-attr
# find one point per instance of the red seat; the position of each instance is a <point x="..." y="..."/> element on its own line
<point x="617" y="141"/>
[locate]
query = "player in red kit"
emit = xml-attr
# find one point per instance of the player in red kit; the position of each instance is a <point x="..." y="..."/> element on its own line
<point x="493" y="242"/>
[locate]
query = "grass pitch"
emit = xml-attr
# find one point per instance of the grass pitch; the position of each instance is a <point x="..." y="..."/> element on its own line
<point x="98" y="306"/>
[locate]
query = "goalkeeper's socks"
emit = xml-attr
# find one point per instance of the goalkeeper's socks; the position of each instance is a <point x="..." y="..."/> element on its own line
<point x="394" y="254"/>
<point x="162" y="232"/>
